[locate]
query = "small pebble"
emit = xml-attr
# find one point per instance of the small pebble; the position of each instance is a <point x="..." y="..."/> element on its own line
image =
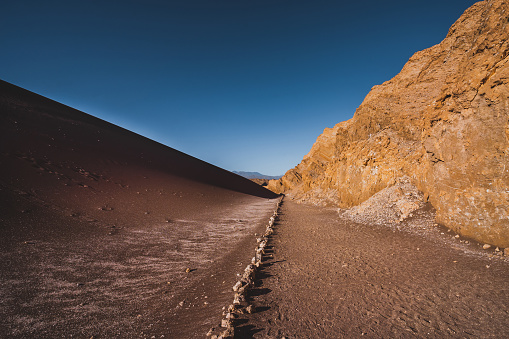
<point x="237" y="286"/>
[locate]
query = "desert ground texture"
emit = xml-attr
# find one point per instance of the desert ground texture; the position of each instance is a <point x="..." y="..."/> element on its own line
<point x="106" y="234"/>
<point x="329" y="277"/>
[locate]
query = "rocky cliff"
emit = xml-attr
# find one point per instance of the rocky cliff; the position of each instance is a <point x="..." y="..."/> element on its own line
<point x="443" y="121"/>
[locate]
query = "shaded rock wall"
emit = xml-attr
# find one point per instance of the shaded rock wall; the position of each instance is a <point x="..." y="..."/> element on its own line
<point x="443" y="121"/>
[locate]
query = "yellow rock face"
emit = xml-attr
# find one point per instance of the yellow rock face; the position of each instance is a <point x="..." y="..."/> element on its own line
<point x="443" y="121"/>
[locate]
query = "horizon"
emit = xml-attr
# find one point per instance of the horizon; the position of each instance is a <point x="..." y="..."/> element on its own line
<point x="244" y="86"/>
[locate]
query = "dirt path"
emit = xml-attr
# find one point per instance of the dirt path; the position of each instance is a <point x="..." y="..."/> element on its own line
<point x="330" y="278"/>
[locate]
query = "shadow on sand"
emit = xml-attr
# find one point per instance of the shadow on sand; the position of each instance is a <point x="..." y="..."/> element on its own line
<point x="243" y="327"/>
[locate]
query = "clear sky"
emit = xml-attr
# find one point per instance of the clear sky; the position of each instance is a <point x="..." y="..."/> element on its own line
<point x="246" y="85"/>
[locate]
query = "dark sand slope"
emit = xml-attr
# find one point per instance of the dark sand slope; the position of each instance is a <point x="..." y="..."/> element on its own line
<point x="98" y="226"/>
<point x="332" y="278"/>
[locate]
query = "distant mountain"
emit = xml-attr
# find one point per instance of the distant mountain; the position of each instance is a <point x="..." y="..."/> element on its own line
<point x="256" y="175"/>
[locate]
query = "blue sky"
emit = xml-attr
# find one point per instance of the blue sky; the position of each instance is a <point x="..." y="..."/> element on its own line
<point x="246" y="85"/>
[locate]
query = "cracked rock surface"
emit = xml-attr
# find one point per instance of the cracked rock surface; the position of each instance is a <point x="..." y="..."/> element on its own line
<point x="443" y="121"/>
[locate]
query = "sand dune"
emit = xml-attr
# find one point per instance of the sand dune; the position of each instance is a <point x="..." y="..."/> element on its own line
<point x="99" y="225"/>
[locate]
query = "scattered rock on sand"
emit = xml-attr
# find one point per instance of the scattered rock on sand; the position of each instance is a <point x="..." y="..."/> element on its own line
<point x="486" y="246"/>
<point x="225" y="323"/>
<point x="237" y="286"/>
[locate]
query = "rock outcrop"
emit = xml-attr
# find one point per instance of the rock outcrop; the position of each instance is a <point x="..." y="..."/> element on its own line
<point x="443" y="121"/>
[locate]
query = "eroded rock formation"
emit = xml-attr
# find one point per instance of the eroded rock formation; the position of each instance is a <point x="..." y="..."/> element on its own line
<point x="443" y="121"/>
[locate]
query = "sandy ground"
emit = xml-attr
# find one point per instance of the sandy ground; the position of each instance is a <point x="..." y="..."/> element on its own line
<point x="98" y="226"/>
<point x="332" y="278"/>
<point x="87" y="279"/>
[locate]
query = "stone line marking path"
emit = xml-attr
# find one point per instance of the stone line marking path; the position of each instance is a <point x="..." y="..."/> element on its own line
<point x="326" y="277"/>
<point x="243" y="286"/>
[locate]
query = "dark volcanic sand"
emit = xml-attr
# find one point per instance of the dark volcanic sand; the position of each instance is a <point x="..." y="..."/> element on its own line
<point x="98" y="226"/>
<point x="332" y="278"/>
